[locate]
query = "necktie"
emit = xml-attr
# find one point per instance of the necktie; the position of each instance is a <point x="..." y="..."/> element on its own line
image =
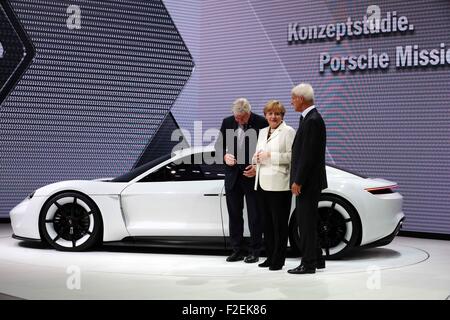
<point x="240" y="156"/>
<point x="241" y="135"/>
<point x="300" y="123"/>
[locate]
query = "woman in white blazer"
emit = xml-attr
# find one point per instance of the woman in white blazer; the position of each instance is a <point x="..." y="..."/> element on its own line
<point x="273" y="159"/>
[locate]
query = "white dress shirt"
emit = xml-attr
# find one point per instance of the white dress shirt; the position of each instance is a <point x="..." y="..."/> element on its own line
<point x="305" y="112"/>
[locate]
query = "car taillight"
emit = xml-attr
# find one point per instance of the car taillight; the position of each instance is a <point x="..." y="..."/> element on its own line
<point x="382" y="190"/>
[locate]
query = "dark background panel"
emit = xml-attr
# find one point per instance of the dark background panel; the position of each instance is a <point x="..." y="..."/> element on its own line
<point x="93" y="97"/>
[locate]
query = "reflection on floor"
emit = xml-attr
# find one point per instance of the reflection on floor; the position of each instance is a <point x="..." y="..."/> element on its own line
<point x="409" y="268"/>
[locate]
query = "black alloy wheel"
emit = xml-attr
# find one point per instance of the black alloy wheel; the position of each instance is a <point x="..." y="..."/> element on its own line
<point x="338" y="227"/>
<point x="70" y="221"/>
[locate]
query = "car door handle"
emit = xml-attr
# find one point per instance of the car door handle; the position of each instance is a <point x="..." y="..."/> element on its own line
<point x="211" y="194"/>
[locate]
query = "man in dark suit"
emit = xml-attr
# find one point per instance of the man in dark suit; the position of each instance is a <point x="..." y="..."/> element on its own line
<point x="237" y="143"/>
<point x="308" y="176"/>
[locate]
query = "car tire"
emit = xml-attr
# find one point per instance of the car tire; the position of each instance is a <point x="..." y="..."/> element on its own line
<point x="70" y="221"/>
<point x="338" y="227"/>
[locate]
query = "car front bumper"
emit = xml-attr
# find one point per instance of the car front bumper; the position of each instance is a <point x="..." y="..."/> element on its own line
<point x="25" y="218"/>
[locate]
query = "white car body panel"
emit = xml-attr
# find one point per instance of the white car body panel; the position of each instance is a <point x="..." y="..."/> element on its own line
<point x="197" y="208"/>
<point x="25" y="217"/>
<point x="114" y="227"/>
<point x="173" y="208"/>
<point x="379" y="216"/>
<point x="88" y="187"/>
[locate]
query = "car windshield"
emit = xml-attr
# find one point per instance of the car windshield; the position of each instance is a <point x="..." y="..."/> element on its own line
<point x="127" y="177"/>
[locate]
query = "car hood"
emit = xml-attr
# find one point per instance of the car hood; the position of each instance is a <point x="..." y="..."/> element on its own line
<point x="90" y="187"/>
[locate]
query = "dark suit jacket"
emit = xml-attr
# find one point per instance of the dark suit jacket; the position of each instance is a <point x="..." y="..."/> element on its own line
<point x="308" y="153"/>
<point x="224" y="145"/>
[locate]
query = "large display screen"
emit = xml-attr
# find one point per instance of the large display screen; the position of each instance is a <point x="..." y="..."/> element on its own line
<point x="381" y="73"/>
<point x="86" y="106"/>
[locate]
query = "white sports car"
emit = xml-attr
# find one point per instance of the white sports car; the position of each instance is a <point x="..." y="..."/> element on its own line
<point x="175" y="200"/>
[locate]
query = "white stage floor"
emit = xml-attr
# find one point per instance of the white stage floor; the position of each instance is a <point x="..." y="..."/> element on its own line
<point x="409" y="268"/>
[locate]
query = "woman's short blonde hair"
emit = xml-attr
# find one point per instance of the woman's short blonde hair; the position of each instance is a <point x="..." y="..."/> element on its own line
<point x="274" y="106"/>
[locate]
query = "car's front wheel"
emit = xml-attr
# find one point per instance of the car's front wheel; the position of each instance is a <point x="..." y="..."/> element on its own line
<point x="70" y="221"/>
<point x="338" y="227"/>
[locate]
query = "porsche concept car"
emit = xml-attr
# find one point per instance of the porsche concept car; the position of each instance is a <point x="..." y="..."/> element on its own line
<point x="179" y="200"/>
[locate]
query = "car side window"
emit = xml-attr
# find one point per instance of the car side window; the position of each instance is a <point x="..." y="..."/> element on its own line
<point x="211" y="169"/>
<point x="192" y="168"/>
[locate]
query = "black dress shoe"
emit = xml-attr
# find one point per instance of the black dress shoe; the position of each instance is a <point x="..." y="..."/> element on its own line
<point x="235" y="256"/>
<point x="265" y="264"/>
<point x="321" y="264"/>
<point x="251" y="259"/>
<point x="301" y="269"/>
<point x="274" y="268"/>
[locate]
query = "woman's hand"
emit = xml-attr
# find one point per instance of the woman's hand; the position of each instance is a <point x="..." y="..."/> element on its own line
<point x="262" y="156"/>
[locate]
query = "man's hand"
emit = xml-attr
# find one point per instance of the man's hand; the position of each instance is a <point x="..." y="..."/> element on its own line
<point x="296" y="189"/>
<point x="229" y="159"/>
<point x="250" y="171"/>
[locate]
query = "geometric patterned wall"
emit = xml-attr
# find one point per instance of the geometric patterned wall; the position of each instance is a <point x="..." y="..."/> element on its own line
<point x="93" y="97"/>
<point x="90" y="103"/>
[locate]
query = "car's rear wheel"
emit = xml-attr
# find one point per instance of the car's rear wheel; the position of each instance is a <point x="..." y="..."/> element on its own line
<point x="338" y="227"/>
<point x="70" y="221"/>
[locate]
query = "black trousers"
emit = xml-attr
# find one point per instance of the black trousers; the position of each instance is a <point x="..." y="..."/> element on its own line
<point x="276" y="208"/>
<point x="307" y="217"/>
<point x="235" y="205"/>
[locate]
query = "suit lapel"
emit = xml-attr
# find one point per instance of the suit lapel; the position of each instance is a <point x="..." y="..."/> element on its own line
<point x="235" y="125"/>
<point x="310" y="113"/>
<point x="300" y="130"/>
<point x="276" y="132"/>
<point x="250" y="121"/>
<point x="273" y="135"/>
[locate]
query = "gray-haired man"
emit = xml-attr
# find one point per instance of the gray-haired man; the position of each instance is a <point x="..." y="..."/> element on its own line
<point x="237" y="142"/>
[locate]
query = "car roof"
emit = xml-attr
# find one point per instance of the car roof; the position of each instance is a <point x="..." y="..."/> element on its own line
<point x="177" y="154"/>
<point x="127" y="177"/>
<point x="193" y="150"/>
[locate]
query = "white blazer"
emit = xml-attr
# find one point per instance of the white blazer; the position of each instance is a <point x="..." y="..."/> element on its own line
<point x="273" y="173"/>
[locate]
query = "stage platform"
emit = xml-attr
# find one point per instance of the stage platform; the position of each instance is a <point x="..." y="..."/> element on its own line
<point x="408" y="268"/>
